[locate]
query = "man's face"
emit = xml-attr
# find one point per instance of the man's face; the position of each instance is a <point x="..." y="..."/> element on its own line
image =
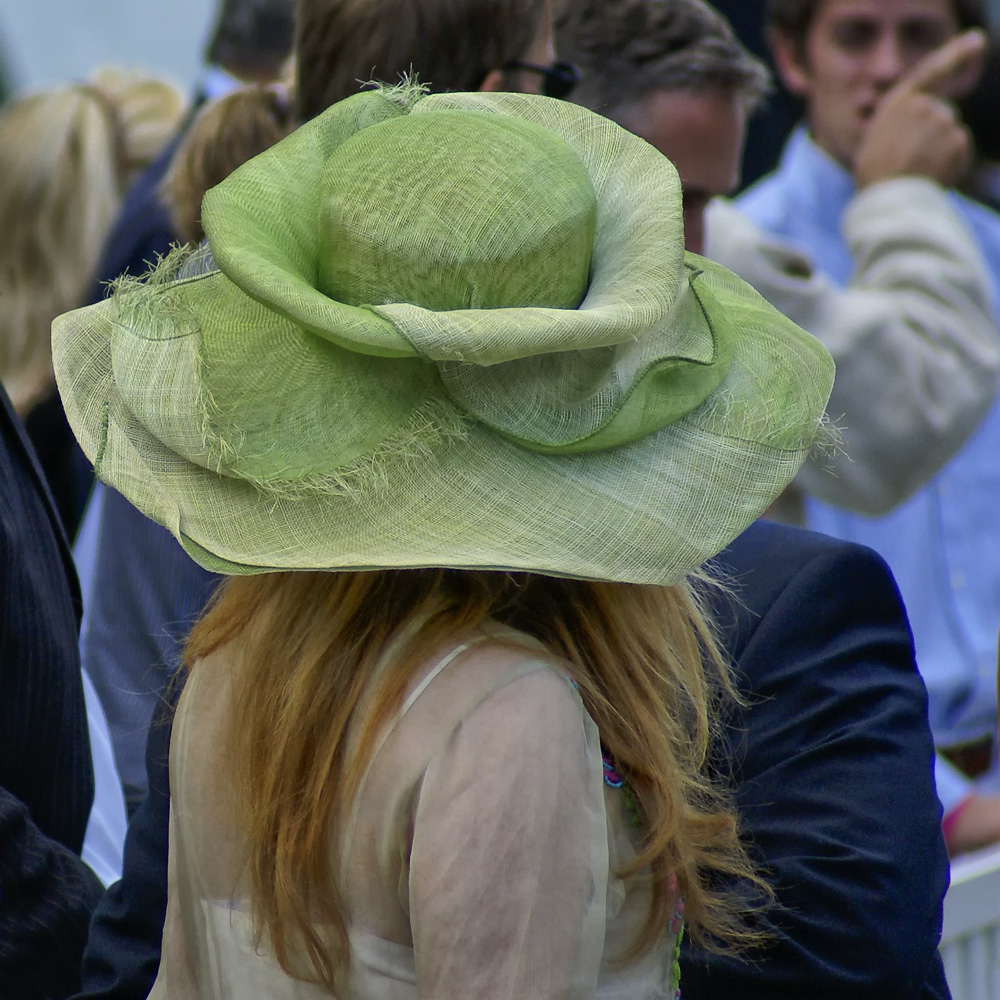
<point x="855" y="50"/>
<point x="702" y="133"/>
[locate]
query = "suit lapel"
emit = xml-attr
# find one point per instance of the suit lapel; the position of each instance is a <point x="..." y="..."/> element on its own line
<point x="23" y="454"/>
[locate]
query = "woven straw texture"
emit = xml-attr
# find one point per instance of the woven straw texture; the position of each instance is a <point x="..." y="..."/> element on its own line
<point x="510" y="365"/>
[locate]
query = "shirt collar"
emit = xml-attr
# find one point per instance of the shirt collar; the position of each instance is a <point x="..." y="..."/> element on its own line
<point x="823" y="183"/>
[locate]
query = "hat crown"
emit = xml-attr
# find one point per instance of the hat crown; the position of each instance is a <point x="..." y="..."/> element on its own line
<point x="516" y="228"/>
<point x="271" y="425"/>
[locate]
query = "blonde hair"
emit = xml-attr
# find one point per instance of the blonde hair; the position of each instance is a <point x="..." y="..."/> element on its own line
<point x="67" y="155"/>
<point x="644" y="658"/>
<point x="223" y="136"/>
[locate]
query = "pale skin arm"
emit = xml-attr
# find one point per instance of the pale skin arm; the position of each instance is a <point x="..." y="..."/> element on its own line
<point x="978" y="825"/>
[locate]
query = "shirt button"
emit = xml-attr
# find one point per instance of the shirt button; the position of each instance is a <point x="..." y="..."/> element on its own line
<point x="957" y="580"/>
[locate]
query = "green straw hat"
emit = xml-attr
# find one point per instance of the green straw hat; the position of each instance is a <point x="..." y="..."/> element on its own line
<point x="455" y="330"/>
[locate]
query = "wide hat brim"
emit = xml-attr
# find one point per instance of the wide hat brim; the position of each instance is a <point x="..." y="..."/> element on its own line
<point x="270" y="428"/>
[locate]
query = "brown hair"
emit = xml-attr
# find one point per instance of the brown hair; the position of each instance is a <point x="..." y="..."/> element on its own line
<point x="223" y="136"/>
<point x="647" y="666"/>
<point x="67" y="156"/>
<point x="793" y="18"/>
<point x="627" y="49"/>
<point x="446" y="44"/>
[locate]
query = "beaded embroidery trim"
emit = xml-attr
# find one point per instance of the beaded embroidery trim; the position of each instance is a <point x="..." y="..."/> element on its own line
<point x="677" y="929"/>
<point x="613" y="779"/>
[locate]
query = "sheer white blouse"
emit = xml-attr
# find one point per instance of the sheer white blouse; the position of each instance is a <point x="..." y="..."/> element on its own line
<point x="479" y="859"/>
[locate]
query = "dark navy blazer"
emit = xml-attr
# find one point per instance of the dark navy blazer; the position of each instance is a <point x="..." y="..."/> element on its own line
<point x="46" y="778"/>
<point x="832" y="764"/>
<point x="142" y="232"/>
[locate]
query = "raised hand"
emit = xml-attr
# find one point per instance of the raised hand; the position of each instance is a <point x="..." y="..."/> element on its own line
<point x="916" y="130"/>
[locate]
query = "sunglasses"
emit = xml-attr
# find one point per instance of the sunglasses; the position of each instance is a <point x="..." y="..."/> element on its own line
<point x="559" y="79"/>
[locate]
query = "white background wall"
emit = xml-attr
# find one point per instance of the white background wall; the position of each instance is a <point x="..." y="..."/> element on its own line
<point x="51" y="41"/>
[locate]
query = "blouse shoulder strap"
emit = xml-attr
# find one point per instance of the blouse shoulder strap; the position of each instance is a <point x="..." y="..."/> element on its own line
<point x="388" y="729"/>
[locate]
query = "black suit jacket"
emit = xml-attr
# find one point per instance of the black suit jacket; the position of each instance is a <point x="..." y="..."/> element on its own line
<point x="832" y="760"/>
<point x="46" y="778"/>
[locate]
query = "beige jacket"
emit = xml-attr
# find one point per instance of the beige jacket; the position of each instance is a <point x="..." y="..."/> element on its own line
<point x="913" y="336"/>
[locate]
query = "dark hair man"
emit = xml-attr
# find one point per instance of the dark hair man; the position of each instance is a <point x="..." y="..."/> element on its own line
<point x="843" y="57"/>
<point x="662" y="69"/>
<point x="878" y="78"/>
<point x="671" y="71"/>
<point x="341" y="44"/>
<point x="251" y="39"/>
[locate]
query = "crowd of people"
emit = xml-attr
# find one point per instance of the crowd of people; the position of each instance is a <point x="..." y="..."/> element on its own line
<point x="454" y="542"/>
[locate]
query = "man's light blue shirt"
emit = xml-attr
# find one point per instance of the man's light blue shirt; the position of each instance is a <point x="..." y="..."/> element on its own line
<point x="944" y="543"/>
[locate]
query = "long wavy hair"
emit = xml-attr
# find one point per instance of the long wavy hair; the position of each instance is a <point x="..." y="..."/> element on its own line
<point x="645" y="660"/>
<point x="67" y="156"/>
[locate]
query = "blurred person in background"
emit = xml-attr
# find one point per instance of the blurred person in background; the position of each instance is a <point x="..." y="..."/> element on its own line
<point x="47" y="892"/>
<point x="143" y="598"/>
<point x="250" y="43"/>
<point x="67" y="157"/>
<point x="921" y="305"/>
<point x="223" y="135"/>
<point x="772" y="120"/>
<point x="858" y="64"/>
<point x="672" y="71"/>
